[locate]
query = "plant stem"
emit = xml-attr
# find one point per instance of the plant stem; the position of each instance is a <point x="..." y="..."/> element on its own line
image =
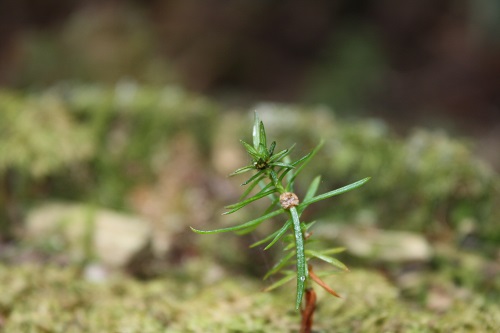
<point x="307" y="312"/>
<point x="299" y="243"/>
<point x="301" y="258"/>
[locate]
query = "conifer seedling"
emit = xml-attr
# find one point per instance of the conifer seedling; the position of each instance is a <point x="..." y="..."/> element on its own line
<point x="273" y="177"/>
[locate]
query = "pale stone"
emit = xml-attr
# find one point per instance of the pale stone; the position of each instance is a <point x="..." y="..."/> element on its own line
<point x="379" y="244"/>
<point x="113" y="238"/>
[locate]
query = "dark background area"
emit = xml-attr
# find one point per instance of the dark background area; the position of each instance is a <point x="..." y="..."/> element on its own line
<point x="413" y="62"/>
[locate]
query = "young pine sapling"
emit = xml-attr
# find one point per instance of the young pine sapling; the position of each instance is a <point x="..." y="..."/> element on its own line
<point x="274" y="177"/>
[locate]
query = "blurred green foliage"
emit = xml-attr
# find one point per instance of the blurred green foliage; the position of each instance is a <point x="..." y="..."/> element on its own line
<point x="96" y="142"/>
<point x="32" y="132"/>
<point x="91" y="143"/>
<point x="426" y="182"/>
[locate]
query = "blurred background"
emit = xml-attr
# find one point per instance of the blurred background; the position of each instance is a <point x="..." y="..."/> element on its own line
<point x="435" y="62"/>
<point x="119" y="121"/>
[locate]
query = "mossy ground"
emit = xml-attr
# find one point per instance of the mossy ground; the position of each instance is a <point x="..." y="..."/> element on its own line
<point x="38" y="298"/>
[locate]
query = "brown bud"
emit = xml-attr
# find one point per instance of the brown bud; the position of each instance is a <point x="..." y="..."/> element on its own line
<point x="288" y="200"/>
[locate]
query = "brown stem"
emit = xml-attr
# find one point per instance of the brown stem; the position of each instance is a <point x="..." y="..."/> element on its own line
<point x="308" y="311"/>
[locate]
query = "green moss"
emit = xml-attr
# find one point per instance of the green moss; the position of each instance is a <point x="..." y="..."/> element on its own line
<point x="31" y="132"/>
<point x="94" y="142"/>
<point x="54" y="299"/>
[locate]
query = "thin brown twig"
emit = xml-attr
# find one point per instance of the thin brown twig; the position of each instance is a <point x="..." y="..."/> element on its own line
<point x="322" y="283"/>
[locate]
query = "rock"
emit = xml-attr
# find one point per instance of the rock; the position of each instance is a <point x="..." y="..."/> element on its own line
<point x="111" y="237"/>
<point x="381" y="245"/>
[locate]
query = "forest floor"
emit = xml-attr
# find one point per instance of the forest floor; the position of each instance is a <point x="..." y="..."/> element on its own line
<point x="48" y="298"/>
